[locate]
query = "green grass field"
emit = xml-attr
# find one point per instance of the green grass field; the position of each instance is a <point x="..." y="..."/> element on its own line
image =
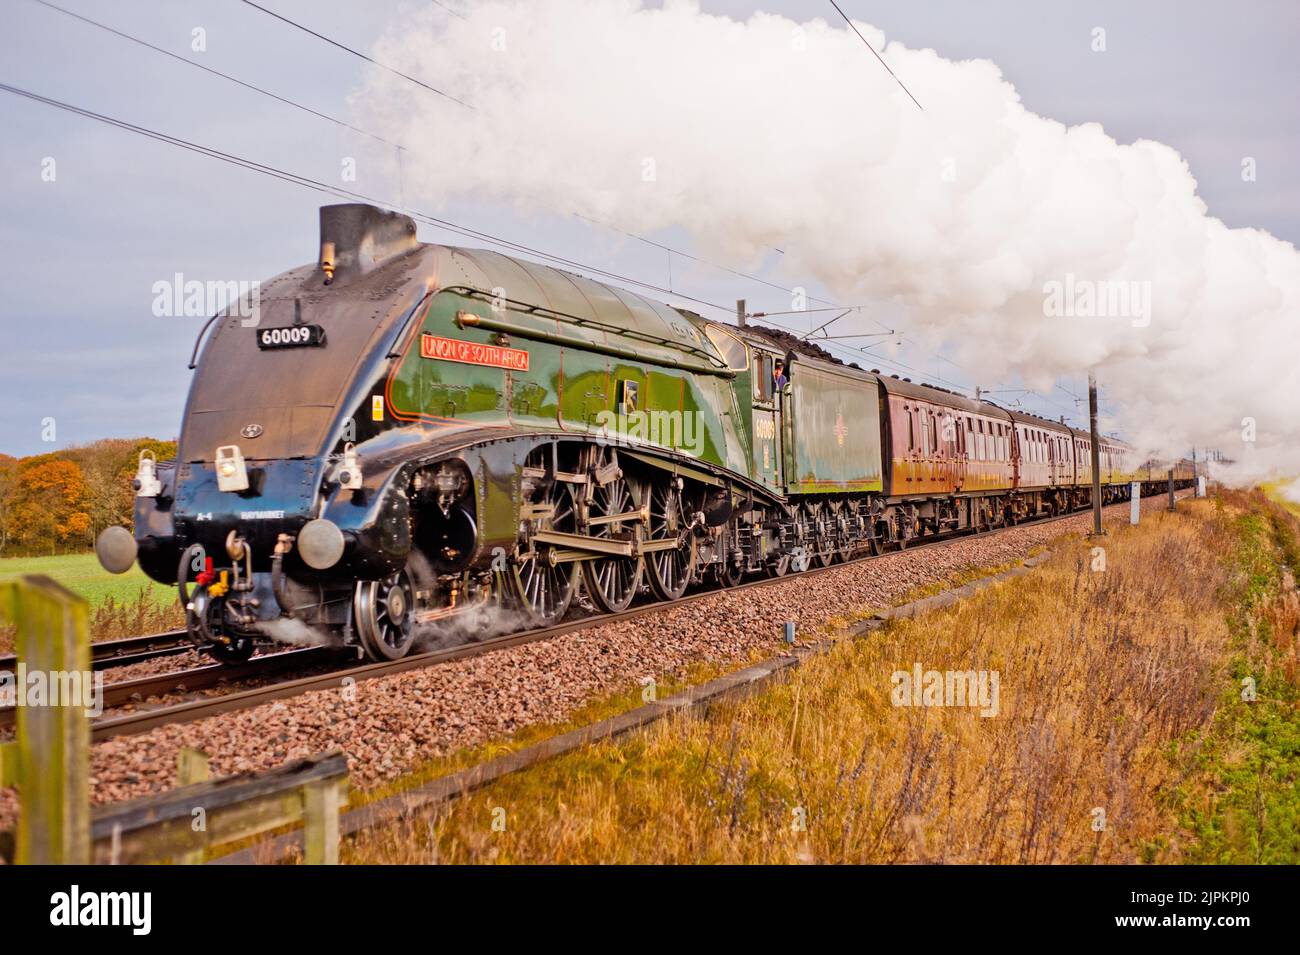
<point x="82" y="574"/>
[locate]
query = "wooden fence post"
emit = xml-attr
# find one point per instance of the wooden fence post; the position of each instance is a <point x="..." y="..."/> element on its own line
<point x="49" y="759"/>
<point x="320" y="836"/>
<point x="191" y="767"/>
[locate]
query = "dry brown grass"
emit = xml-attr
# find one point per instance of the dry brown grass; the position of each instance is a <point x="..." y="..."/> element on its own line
<point x="1100" y="674"/>
<point x="112" y="619"/>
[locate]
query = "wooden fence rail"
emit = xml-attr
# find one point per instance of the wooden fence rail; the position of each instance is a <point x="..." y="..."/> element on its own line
<point x="179" y="825"/>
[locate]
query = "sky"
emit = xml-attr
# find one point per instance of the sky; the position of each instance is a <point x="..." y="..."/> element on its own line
<point x="92" y="216"/>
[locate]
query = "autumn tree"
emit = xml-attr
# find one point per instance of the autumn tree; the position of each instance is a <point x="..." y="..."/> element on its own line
<point x="65" y="498"/>
<point x="8" y="477"/>
<point x="49" y="505"/>
<point x="108" y="466"/>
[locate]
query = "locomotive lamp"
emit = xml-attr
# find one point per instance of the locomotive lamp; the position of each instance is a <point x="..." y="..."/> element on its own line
<point x="146" y="481"/>
<point x="232" y="474"/>
<point x="348" y="472"/>
<point x="327" y="261"/>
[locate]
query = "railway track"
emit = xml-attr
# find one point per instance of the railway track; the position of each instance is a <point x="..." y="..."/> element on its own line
<point x="107" y="654"/>
<point x="194" y="679"/>
<point x="142" y="721"/>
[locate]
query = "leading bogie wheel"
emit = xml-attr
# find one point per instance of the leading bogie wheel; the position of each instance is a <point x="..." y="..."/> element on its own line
<point x="384" y="614"/>
<point x="238" y="649"/>
<point x="224" y="644"/>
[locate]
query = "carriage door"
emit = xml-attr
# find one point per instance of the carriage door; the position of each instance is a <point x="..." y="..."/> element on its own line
<point x="767" y="421"/>
<point x="1017" y="450"/>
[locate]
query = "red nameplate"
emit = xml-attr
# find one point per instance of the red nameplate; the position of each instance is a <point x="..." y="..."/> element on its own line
<point x="472" y="353"/>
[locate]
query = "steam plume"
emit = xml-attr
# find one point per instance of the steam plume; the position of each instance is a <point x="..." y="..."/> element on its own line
<point x="769" y="133"/>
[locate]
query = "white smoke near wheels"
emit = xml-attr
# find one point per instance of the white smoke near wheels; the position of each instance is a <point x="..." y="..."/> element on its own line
<point x="1026" y="245"/>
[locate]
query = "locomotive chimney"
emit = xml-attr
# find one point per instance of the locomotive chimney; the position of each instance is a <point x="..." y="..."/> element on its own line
<point x="356" y="238"/>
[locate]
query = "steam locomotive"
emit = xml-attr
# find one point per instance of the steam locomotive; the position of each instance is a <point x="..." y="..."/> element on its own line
<point x="406" y="433"/>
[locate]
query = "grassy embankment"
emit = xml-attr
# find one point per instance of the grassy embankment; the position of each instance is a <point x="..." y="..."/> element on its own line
<point x="1121" y="732"/>
<point x="120" y="605"/>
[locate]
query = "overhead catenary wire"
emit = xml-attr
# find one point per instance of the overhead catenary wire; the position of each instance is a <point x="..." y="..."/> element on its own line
<point x="454" y="13"/>
<point x="214" y="72"/>
<point x="418" y="82"/>
<point x="357" y="53"/>
<point x="447" y="225"/>
<point x="855" y="29"/>
<point x="342" y="193"/>
<point x="615" y="228"/>
<point x="364" y="132"/>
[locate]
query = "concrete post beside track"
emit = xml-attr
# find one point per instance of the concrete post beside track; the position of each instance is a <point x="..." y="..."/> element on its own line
<point x="1095" y="441"/>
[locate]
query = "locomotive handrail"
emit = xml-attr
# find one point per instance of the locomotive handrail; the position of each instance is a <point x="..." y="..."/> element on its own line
<point x="194" y="355"/>
<point x="554" y="338"/>
<point x="716" y="367"/>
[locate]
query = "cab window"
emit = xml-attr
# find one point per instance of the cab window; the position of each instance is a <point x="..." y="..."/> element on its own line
<point x="732" y="349"/>
<point x="762" y="376"/>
